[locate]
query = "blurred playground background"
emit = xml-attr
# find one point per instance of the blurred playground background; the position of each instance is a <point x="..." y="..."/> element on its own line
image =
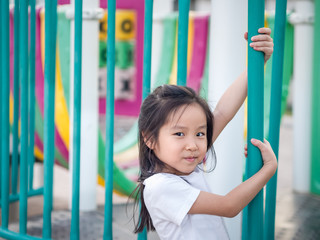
<point x="210" y="64"/>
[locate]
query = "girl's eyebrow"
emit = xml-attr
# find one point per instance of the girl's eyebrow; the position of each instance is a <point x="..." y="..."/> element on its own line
<point x="178" y="127"/>
<point x="183" y="127"/>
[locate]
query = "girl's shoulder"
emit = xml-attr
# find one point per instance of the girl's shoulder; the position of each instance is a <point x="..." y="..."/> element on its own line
<point x="163" y="189"/>
<point x="168" y="177"/>
<point x="165" y="181"/>
<point x="160" y="178"/>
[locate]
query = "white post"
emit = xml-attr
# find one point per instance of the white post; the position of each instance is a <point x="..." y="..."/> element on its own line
<point x="89" y="101"/>
<point x="303" y="50"/>
<point x="227" y="61"/>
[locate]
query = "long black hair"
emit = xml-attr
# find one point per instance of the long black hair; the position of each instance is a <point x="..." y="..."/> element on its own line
<point x="154" y="113"/>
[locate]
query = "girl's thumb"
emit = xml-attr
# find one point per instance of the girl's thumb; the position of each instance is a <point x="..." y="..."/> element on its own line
<point x="255" y="142"/>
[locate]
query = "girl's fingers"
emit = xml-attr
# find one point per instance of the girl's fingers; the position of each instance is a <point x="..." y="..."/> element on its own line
<point x="264" y="35"/>
<point x="264" y="147"/>
<point x="246" y="35"/>
<point x="261" y="44"/>
<point x="257" y="143"/>
<point x="266" y="50"/>
<point x="264" y="30"/>
<point x="261" y="38"/>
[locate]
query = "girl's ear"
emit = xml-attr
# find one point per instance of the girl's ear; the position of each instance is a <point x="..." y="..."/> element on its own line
<point x="149" y="144"/>
<point x="148" y="141"/>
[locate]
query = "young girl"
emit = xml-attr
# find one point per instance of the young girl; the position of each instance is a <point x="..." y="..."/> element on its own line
<point x="176" y="131"/>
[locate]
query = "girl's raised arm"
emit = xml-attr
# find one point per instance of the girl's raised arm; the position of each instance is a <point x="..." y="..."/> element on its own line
<point x="229" y="104"/>
<point x="234" y="96"/>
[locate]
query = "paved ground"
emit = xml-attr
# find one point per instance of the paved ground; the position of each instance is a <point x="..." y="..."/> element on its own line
<point x="298" y="215"/>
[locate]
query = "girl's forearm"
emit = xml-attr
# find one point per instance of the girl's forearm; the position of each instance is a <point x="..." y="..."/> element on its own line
<point x="231" y="204"/>
<point x="230" y="103"/>
<point x="234" y="96"/>
<point x="243" y="194"/>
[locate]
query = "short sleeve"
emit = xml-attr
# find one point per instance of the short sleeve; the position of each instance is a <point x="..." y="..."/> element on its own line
<point x="169" y="197"/>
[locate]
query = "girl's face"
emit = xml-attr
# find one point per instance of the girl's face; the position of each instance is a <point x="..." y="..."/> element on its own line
<point x="182" y="142"/>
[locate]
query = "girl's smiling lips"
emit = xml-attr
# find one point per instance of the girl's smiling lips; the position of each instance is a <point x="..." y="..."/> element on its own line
<point x="190" y="159"/>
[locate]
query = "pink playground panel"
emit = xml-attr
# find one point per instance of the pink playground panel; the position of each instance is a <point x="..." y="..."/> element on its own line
<point x="128" y="107"/>
<point x="132" y="107"/>
<point x="199" y="52"/>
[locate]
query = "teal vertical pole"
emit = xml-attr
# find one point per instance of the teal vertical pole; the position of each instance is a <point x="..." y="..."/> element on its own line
<point x="109" y="120"/>
<point x="183" y="22"/>
<point x="0" y="97"/>
<point x="23" y="50"/>
<point x="49" y="103"/>
<point x="315" y="135"/>
<point x="5" y="82"/>
<point x="32" y="90"/>
<point x="147" y="49"/>
<point x="15" y="134"/>
<point x="255" y="116"/>
<point x="275" y="112"/>
<point x="75" y="232"/>
<point x="244" y="227"/>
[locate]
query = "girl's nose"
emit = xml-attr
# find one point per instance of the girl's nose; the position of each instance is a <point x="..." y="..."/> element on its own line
<point x="191" y="146"/>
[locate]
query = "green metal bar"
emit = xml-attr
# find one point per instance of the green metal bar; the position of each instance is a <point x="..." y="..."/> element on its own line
<point x="147" y="47"/>
<point x="5" y="89"/>
<point x="244" y="227"/>
<point x="109" y="120"/>
<point x="315" y="152"/>
<point x="255" y="116"/>
<point x="15" y="133"/>
<point x="31" y="193"/>
<point x="49" y="92"/>
<point x="183" y="22"/>
<point x="23" y="203"/>
<point x="275" y="113"/>
<point x="0" y="103"/>
<point x="7" y="234"/>
<point x="74" y="234"/>
<point x="32" y="90"/>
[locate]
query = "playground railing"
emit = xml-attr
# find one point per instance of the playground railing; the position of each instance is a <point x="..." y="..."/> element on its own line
<point x="24" y="79"/>
<point x="27" y="99"/>
<point x="24" y="82"/>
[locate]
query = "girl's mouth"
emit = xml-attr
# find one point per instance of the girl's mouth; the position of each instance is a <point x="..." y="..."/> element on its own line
<point x="190" y="159"/>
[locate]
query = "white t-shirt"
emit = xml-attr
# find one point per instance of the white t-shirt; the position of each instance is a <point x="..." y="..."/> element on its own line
<point x="169" y="198"/>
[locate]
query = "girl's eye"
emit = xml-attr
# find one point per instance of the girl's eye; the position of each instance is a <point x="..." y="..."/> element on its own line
<point x="180" y="134"/>
<point x="200" y="134"/>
